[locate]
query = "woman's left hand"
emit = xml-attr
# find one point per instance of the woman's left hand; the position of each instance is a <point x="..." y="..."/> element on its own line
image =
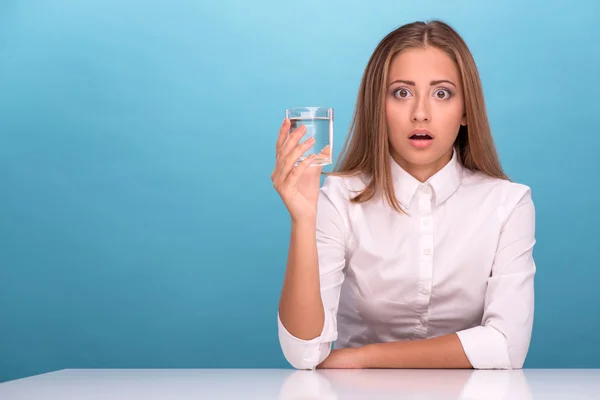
<point x="349" y="358"/>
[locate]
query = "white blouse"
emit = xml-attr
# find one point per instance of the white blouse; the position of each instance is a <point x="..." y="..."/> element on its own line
<point x="460" y="262"/>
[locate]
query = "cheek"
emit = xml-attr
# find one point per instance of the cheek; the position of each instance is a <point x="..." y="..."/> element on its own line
<point x="395" y="115"/>
<point x="397" y="125"/>
<point x="458" y="109"/>
<point x="449" y="117"/>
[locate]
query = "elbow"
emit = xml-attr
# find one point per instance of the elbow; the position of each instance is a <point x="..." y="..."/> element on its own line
<point x="300" y="363"/>
<point x="303" y="354"/>
<point x="516" y="347"/>
<point x="297" y="362"/>
<point x="517" y="355"/>
<point x="492" y="348"/>
<point x="308" y="357"/>
<point x="306" y="354"/>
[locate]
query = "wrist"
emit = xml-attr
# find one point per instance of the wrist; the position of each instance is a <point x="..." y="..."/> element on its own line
<point x="308" y="221"/>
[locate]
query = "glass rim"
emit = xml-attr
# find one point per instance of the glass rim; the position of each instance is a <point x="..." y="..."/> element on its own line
<point x="309" y="111"/>
<point x="309" y="108"/>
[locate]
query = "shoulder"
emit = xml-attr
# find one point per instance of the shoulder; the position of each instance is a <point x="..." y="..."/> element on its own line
<point x="342" y="188"/>
<point x="506" y="195"/>
<point x="334" y="202"/>
<point x="508" y="190"/>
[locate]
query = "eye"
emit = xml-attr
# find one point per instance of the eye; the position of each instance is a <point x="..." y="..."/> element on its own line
<point x="442" y="94"/>
<point x="402" y="93"/>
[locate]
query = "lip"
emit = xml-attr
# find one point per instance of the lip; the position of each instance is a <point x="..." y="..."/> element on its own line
<point x="421" y="131"/>
<point x="419" y="143"/>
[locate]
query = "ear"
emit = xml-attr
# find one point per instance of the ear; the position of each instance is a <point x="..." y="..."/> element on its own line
<point x="463" y="121"/>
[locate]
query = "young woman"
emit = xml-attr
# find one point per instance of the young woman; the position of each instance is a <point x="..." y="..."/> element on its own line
<point x="417" y="250"/>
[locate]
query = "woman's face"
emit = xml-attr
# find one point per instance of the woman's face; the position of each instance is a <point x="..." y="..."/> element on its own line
<point x="424" y="109"/>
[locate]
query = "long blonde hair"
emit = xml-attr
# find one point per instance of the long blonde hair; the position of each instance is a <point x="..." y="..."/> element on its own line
<point x="366" y="149"/>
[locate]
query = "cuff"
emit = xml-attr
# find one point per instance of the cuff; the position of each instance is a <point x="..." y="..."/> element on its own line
<point x="485" y="347"/>
<point x="307" y="354"/>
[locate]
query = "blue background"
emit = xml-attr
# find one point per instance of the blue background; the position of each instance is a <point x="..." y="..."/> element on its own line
<point x="138" y="223"/>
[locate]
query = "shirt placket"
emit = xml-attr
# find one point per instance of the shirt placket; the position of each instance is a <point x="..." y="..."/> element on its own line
<point x="425" y="260"/>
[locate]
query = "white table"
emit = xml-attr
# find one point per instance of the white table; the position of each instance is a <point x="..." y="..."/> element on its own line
<point x="264" y="384"/>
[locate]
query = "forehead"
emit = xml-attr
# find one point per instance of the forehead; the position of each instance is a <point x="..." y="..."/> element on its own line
<point x="422" y="65"/>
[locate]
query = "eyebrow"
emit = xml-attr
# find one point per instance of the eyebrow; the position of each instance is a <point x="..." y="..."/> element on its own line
<point x="432" y="83"/>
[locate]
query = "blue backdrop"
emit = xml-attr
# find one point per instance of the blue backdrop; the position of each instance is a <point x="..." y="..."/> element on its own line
<point x="138" y="223"/>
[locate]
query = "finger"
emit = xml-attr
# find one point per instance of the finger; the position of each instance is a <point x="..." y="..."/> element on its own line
<point x="291" y="142"/>
<point x="281" y="138"/>
<point x="287" y="163"/>
<point x="295" y="175"/>
<point x="283" y="134"/>
<point x="275" y="172"/>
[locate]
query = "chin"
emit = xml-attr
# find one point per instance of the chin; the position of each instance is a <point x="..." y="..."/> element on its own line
<point x="421" y="156"/>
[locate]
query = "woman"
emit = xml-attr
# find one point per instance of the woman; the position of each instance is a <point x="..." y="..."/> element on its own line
<point x="417" y="250"/>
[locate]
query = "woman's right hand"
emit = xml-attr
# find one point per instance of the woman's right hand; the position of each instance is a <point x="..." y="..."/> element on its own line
<point x="298" y="186"/>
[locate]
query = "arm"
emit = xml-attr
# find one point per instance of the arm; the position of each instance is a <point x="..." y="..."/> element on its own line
<point x="307" y="318"/>
<point x="502" y="341"/>
<point x="440" y="352"/>
<point x="300" y="306"/>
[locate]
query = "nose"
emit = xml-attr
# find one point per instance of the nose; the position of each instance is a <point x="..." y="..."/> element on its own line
<point x="420" y="112"/>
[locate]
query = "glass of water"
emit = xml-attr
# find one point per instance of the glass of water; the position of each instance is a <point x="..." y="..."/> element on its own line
<point x="319" y="124"/>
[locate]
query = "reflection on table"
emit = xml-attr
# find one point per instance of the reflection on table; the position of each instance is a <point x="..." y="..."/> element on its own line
<point x="288" y="384"/>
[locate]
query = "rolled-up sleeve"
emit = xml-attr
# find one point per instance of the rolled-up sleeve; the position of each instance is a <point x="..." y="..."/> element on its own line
<point x="502" y="341"/>
<point x="331" y="247"/>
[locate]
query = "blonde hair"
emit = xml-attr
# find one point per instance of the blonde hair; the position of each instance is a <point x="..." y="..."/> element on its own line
<point x="366" y="149"/>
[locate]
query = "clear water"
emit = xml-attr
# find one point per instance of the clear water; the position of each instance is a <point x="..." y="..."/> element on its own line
<point x="321" y="128"/>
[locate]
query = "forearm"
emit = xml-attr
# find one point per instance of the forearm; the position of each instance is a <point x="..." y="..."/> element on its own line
<point x="440" y="352"/>
<point x="300" y="305"/>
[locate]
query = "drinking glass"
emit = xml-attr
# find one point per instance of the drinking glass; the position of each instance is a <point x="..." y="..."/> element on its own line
<point x="319" y="124"/>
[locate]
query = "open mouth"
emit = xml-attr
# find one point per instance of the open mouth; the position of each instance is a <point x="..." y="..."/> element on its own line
<point x="421" y="136"/>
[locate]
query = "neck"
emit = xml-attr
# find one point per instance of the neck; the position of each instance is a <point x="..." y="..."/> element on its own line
<point x="422" y="172"/>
